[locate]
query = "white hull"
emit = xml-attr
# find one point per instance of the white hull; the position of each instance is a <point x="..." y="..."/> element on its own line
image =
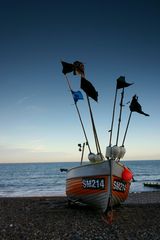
<point x="90" y="184"/>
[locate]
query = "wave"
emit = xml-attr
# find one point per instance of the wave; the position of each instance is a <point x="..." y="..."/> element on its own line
<point x="146" y="174"/>
<point x="145" y="180"/>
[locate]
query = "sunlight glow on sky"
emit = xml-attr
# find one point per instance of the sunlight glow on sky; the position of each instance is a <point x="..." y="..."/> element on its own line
<point x="38" y="120"/>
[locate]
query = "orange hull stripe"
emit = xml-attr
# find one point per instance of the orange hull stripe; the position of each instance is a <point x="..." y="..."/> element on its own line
<point x="75" y="187"/>
<point x="122" y="196"/>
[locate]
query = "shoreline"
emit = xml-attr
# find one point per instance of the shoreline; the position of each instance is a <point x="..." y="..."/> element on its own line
<point x="50" y="217"/>
<point x="133" y="197"/>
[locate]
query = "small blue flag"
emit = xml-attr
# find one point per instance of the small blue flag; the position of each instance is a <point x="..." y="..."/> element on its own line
<point x="77" y="96"/>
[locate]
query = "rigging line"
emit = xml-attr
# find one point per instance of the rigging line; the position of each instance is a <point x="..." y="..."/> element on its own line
<point x="126" y="128"/>
<point x="120" y="115"/>
<point x="114" y="106"/>
<point x="79" y="115"/>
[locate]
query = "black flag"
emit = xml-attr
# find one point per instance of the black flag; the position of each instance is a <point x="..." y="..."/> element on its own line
<point x="136" y="107"/>
<point x="67" y="67"/>
<point x="89" y="89"/>
<point x="78" y="68"/>
<point x="121" y="83"/>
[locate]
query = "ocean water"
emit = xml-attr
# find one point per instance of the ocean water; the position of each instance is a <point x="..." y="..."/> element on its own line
<point x="46" y="179"/>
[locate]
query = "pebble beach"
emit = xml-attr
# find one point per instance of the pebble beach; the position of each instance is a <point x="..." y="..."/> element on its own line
<point x="51" y="218"/>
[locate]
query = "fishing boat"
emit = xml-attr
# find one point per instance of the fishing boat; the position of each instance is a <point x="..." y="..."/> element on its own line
<point x="102" y="182"/>
<point x="91" y="184"/>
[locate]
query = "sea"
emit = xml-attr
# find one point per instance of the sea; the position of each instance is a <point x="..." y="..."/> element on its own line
<point x="46" y="179"/>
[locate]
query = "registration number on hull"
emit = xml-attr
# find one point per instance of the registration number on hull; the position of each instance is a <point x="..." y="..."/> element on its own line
<point x="93" y="183"/>
<point x="119" y="186"/>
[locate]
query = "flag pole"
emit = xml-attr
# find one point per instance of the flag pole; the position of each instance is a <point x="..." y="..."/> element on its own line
<point x="110" y="203"/>
<point x="120" y="116"/>
<point x="82" y="152"/>
<point x="79" y="115"/>
<point x="134" y="107"/>
<point x="110" y="212"/>
<point x="126" y="128"/>
<point x="114" y="106"/>
<point x="94" y="128"/>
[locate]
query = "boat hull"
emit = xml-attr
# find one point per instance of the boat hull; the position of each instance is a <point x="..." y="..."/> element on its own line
<point x="90" y="184"/>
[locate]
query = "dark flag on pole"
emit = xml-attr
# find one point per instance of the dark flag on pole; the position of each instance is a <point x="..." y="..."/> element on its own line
<point x="67" y="67"/>
<point x="89" y="89"/>
<point x="136" y="107"/>
<point x="78" y="68"/>
<point x="77" y="95"/>
<point x="121" y="83"/>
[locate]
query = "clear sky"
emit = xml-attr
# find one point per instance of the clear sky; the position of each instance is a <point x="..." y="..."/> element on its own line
<point x="38" y="121"/>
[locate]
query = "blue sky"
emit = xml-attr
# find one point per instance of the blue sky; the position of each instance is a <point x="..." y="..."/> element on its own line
<point x="38" y="120"/>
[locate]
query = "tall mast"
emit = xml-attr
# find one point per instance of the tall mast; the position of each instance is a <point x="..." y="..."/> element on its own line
<point x="79" y="115"/>
<point x="120" y="115"/>
<point x="111" y="130"/>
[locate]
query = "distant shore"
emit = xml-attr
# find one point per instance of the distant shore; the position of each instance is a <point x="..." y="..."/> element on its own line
<point x="51" y="218"/>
